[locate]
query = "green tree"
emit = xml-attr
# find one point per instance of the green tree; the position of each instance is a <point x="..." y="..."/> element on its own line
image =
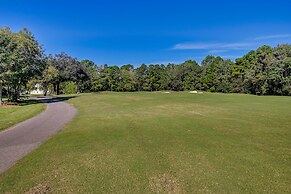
<point x="257" y="70"/>
<point x="279" y="79"/>
<point x="127" y="80"/>
<point x="92" y="70"/>
<point x="140" y="76"/>
<point x="50" y="76"/>
<point x="69" y="68"/>
<point x="21" y="59"/>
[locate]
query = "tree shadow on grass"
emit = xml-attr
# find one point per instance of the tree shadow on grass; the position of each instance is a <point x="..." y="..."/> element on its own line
<point x="41" y="100"/>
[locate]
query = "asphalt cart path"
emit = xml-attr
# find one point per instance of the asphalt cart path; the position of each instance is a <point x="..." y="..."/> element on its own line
<point x="26" y="136"/>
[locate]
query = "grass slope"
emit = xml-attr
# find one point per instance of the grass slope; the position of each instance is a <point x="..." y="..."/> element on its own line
<point x="164" y="143"/>
<point x="11" y="115"/>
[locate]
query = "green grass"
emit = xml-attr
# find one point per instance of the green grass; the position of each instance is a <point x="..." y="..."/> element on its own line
<point x="11" y="115"/>
<point x="163" y="143"/>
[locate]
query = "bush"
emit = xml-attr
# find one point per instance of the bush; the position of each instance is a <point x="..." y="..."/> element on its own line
<point x="69" y="88"/>
<point x="212" y="89"/>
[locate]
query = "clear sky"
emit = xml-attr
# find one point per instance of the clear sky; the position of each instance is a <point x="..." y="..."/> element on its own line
<point x="150" y="31"/>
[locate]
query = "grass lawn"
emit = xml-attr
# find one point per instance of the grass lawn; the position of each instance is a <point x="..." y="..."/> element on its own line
<point x="11" y="115"/>
<point x="164" y="143"/>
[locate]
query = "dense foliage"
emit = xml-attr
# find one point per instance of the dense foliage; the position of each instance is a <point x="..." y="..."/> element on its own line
<point x="21" y="58"/>
<point x="266" y="71"/>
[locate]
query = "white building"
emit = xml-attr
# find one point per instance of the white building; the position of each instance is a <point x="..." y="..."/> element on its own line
<point x="37" y="90"/>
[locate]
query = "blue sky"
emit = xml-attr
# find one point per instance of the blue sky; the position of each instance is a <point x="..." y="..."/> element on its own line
<point x="150" y="31"/>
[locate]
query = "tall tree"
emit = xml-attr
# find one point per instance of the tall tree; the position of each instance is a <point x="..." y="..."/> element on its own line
<point x="69" y="68"/>
<point x="92" y="71"/>
<point x="127" y="81"/>
<point x="21" y="59"/>
<point x="279" y="79"/>
<point x="140" y="74"/>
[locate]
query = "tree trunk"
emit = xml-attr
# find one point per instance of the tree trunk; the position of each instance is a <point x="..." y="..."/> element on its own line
<point x="55" y="88"/>
<point x="58" y="88"/>
<point x="0" y="92"/>
<point x="15" y="93"/>
<point x="8" y="92"/>
<point x="18" y="92"/>
<point x="45" y="89"/>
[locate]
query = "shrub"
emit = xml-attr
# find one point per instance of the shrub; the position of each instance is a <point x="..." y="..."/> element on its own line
<point x="212" y="89"/>
<point x="69" y="88"/>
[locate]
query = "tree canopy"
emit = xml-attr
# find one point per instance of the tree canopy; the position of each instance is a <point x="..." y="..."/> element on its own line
<point x="21" y="59"/>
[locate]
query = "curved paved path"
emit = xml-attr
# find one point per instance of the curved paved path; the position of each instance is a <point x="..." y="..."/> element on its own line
<point x="24" y="137"/>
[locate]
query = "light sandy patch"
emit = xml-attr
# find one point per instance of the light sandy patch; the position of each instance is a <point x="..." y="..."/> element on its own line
<point x="165" y="183"/>
<point x="192" y="109"/>
<point x="39" y="189"/>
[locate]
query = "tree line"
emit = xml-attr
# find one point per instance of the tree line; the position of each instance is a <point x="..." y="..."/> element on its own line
<point x="265" y="71"/>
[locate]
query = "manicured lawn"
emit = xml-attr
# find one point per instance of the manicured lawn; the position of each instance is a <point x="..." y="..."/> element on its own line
<point x="164" y="143"/>
<point x="11" y="115"/>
